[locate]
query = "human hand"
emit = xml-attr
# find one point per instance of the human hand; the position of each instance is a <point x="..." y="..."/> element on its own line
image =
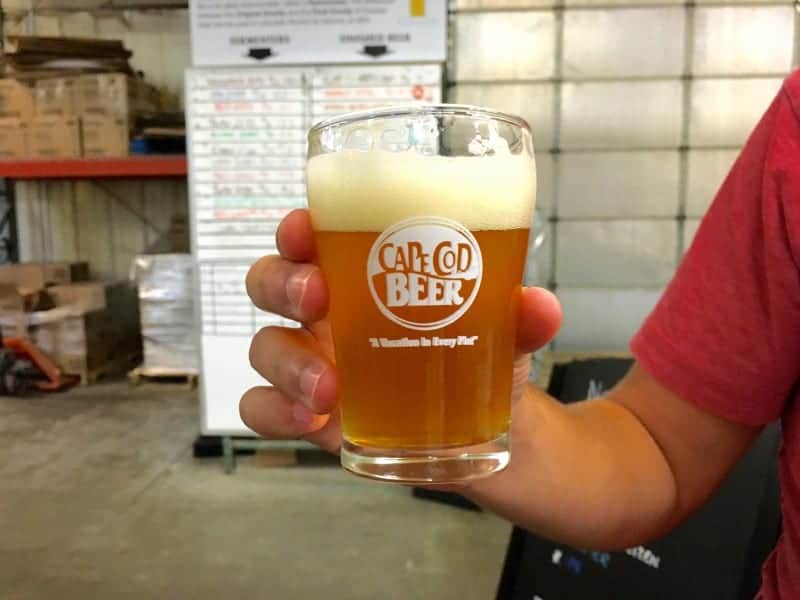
<point x="300" y="363"/>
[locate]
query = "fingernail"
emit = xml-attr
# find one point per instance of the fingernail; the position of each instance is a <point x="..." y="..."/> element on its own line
<point x="308" y="380"/>
<point x="302" y="415"/>
<point x="296" y="287"/>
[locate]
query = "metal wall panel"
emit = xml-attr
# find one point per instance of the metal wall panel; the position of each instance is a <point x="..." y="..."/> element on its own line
<point x="476" y="5"/>
<point x="619" y="3"/>
<point x="706" y="171"/>
<point x="609" y="43"/>
<point x="618" y="184"/>
<point x="545" y="179"/>
<point x="619" y="115"/>
<point x="724" y="111"/>
<point x="640" y="133"/>
<point x="730" y="40"/>
<point x="602" y="319"/>
<point x="503" y="46"/>
<point x="689" y="231"/>
<point x="615" y="253"/>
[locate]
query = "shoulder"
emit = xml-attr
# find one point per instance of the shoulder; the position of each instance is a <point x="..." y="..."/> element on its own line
<point x="792" y="84"/>
<point x="791" y="91"/>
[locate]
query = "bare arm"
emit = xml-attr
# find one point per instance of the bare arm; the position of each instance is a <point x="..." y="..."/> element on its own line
<point x="606" y="473"/>
<point x="612" y="472"/>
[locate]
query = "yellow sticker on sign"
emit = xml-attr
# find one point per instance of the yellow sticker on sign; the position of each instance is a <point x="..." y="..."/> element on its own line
<point x="416" y="8"/>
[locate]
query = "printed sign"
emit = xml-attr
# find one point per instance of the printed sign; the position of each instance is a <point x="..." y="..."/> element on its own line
<point x="311" y="32"/>
<point x="247" y="155"/>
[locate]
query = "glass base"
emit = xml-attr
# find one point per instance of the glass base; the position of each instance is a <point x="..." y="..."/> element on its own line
<point x="433" y="465"/>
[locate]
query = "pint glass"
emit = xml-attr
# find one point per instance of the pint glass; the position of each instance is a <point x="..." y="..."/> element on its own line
<point x="421" y="218"/>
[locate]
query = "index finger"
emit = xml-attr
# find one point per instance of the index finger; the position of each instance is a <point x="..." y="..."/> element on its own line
<point x="295" y="237"/>
<point x="539" y="319"/>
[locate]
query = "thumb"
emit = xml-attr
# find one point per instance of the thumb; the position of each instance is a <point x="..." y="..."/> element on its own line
<point x="539" y="319"/>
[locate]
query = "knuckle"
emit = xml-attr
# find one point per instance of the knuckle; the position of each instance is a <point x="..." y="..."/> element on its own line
<point x="258" y="271"/>
<point x="253" y="352"/>
<point x="271" y="354"/>
<point x="244" y="405"/>
<point x="258" y="346"/>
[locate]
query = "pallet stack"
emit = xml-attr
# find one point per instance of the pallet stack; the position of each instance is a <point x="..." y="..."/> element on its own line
<point x="88" y="328"/>
<point x="166" y="307"/>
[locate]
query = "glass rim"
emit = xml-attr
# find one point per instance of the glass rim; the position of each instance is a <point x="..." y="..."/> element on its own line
<point x="437" y="109"/>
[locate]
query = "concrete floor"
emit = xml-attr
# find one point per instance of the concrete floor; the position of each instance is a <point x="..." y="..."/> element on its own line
<point x="100" y="498"/>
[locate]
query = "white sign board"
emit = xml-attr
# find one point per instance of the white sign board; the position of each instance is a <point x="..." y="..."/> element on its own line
<point x="247" y="145"/>
<point x="284" y="32"/>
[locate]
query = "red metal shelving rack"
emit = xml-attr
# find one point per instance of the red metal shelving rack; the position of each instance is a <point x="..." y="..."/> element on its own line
<point x="95" y="168"/>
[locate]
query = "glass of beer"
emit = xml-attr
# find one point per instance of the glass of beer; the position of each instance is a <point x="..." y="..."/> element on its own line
<point x="421" y="217"/>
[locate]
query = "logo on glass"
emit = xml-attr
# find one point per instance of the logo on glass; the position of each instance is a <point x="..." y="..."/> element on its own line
<point x="425" y="272"/>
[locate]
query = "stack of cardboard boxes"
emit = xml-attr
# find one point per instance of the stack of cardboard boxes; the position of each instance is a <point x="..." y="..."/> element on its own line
<point x="16" y="111"/>
<point x="69" y="117"/>
<point x="86" y="327"/>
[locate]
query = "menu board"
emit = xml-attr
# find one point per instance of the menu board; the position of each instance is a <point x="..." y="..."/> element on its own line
<point x="247" y="144"/>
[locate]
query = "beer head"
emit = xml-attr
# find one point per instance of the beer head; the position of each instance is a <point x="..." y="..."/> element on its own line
<point x="356" y="190"/>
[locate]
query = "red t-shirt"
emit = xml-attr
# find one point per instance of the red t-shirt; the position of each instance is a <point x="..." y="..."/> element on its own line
<point x="726" y="333"/>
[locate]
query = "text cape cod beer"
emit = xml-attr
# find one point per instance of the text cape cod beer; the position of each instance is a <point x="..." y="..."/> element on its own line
<point x="423" y="256"/>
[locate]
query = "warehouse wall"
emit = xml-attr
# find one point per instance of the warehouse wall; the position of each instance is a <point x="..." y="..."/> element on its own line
<point x="103" y="222"/>
<point x="638" y="110"/>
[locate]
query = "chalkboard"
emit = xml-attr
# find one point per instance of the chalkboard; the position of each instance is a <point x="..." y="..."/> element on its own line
<point x="717" y="553"/>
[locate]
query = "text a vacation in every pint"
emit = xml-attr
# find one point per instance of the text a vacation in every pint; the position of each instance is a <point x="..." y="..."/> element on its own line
<point x="424" y="342"/>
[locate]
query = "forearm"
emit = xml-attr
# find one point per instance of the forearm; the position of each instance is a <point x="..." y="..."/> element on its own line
<point x="588" y="474"/>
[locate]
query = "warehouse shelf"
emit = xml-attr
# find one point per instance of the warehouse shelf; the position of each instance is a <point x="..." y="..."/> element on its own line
<point x="95" y="168"/>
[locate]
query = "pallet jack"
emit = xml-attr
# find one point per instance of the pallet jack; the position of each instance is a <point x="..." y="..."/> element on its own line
<point x="25" y="369"/>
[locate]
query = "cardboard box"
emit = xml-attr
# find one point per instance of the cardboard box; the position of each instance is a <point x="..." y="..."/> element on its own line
<point x="81" y="343"/>
<point x="13" y="300"/>
<point x="31" y="277"/>
<point x="16" y="100"/>
<point x="105" y="136"/>
<point x="56" y="96"/>
<point x="13" y="138"/>
<point x="116" y="95"/>
<point x="94" y="295"/>
<point x="54" y="137"/>
<point x="10" y="298"/>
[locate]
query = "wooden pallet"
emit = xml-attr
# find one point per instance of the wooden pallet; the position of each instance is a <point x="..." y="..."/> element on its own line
<point x="113" y="368"/>
<point x="188" y="377"/>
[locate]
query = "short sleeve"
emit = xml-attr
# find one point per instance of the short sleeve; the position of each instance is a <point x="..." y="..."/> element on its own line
<point x="726" y="333"/>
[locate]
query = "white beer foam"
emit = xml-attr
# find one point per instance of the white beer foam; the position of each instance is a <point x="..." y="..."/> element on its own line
<point x="368" y="191"/>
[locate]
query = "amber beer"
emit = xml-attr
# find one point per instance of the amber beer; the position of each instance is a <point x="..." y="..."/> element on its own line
<point x="423" y="256"/>
<point x="421" y="397"/>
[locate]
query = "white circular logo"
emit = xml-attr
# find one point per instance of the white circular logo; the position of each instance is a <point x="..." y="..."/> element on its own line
<point x="425" y="272"/>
